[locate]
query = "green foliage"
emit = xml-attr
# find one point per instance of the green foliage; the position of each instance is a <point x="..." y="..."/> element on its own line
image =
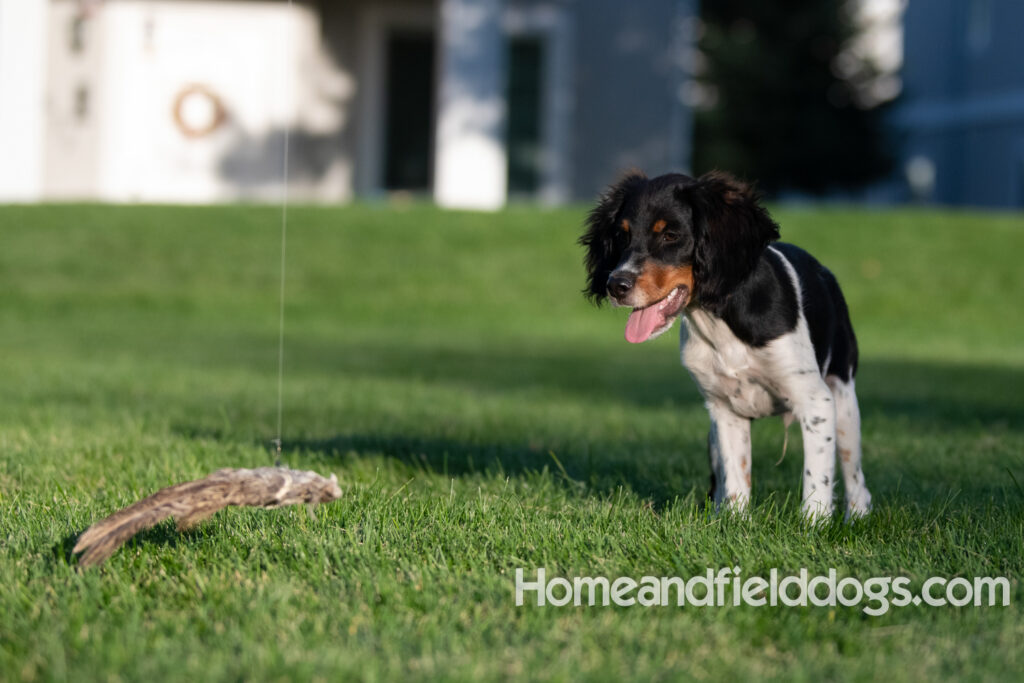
<point x="785" y="115"/>
<point x="480" y="417"/>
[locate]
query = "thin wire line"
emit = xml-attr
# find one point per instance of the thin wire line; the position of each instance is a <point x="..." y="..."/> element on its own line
<point x="284" y="249"/>
<point x="280" y="327"/>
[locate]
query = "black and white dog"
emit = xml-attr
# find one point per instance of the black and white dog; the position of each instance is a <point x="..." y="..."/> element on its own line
<point x="765" y="327"/>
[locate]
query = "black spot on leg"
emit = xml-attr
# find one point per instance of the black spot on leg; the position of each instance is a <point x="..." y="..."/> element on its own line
<point x="828" y="439"/>
<point x="824" y="480"/>
<point x="817" y="420"/>
<point x="807" y="472"/>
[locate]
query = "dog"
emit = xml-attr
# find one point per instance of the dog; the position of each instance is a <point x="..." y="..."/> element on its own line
<point x="765" y="331"/>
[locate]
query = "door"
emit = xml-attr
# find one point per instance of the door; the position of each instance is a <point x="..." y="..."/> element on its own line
<point x="525" y="106"/>
<point x="408" y="130"/>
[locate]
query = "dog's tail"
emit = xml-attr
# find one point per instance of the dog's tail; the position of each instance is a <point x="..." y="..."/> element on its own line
<point x="787" y="420"/>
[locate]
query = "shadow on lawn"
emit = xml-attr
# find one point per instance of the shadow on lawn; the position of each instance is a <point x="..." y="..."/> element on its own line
<point x="942" y="396"/>
<point x="931" y="395"/>
<point x="659" y="479"/>
<point x="921" y="397"/>
<point x="629" y="375"/>
<point x="916" y="397"/>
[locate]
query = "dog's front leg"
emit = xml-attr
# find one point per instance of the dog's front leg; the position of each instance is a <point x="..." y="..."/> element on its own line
<point x="729" y="453"/>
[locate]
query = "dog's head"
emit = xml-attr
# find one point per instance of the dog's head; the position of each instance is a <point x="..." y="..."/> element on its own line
<point x="661" y="244"/>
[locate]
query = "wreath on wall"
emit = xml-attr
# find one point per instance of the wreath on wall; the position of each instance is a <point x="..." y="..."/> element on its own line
<point x="198" y="111"/>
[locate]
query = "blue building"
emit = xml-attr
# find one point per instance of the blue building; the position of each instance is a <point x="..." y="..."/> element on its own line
<point x="961" y="117"/>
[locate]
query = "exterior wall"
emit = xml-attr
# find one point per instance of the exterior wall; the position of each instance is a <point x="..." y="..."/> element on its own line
<point x="339" y="27"/>
<point x="268" y="72"/>
<point x="963" y="106"/>
<point x="22" y="75"/>
<point x="470" y="158"/>
<point x="259" y="70"/>
<point x="114" y="70"/>
<point x="74" y="115"/>
<point x="628" y="85"/>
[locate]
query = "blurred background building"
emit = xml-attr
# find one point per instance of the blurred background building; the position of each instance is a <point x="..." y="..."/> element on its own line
<point x="475" y="102"/>
<point x="961" y="117"/>
<point x="468" y="101"/>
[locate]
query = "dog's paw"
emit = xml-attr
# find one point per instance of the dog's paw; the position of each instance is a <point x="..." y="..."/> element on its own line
<point x="817" y="513"/>
<point x="858" y="505"/>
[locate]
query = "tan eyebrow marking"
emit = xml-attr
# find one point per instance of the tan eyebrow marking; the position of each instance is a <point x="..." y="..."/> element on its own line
<point x="659" y="226"/>
<point x="625" y="224"/>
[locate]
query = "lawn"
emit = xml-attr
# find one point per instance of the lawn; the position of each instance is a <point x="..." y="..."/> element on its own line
<point x="480" y="416"/>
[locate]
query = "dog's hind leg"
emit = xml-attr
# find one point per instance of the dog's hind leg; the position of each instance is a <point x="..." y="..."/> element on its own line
<point x="858" y="499"/>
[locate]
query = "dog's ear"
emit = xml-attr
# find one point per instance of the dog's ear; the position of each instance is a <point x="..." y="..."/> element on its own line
<point x="602" y="238"/>
<point x="731" y="229"/>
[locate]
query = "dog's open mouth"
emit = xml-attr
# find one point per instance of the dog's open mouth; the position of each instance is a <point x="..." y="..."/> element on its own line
<point x="650" y="321"/>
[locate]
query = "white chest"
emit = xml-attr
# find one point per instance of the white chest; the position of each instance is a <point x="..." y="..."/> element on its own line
<point x="728" y="371"/>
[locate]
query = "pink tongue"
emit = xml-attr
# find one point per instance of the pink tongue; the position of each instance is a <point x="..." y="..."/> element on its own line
<point x="642" y="323"/>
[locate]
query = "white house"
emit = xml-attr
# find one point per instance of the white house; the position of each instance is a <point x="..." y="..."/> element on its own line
<point x="470" y="101"/>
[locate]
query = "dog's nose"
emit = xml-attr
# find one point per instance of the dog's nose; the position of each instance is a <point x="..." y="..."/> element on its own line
<point x="619" y="284"/>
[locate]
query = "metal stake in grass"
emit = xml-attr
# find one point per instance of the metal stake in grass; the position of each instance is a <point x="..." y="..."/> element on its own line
<point x="193" y="501"/>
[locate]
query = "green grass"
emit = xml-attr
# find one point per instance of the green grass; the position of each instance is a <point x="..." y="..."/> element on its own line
<point x="480" y="417"/>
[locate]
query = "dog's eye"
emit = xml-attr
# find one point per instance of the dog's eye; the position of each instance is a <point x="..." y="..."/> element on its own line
<point x="668" y="237"/>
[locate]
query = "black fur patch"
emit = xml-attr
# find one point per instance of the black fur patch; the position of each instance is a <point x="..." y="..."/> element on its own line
<point x="731" y="230"/>
<point x="828" y="319"/>
<point x="764" y="306"/>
